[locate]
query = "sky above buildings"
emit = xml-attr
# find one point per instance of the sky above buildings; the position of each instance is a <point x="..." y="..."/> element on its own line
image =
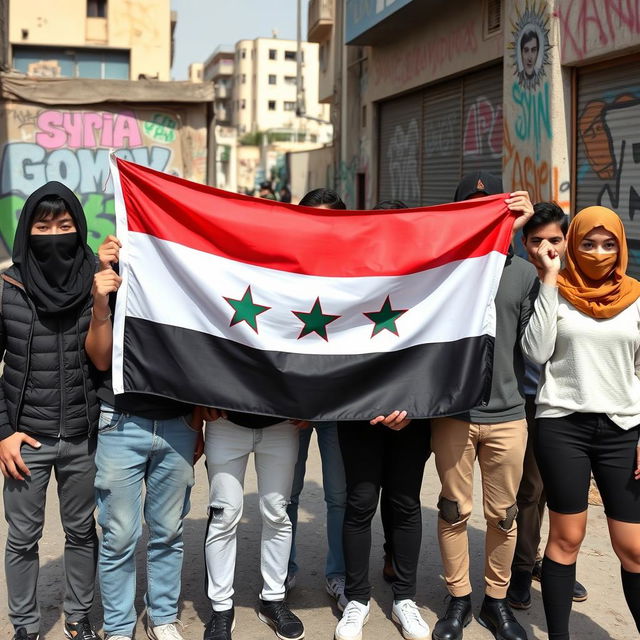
<point x="205" y="24"/>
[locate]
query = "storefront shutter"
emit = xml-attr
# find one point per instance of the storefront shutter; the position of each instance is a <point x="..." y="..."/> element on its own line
<point x="442" y="142"/>
<point x="482" y="126"/>
<point x="607" y="170"/>
<point x="399" y="150"/>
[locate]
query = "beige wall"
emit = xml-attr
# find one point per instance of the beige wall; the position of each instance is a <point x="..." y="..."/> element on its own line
<point x="590" y="30"/>
<point x="309" y="170"/>
<point x="446" y="44"/>
<point x="142" y="26"/>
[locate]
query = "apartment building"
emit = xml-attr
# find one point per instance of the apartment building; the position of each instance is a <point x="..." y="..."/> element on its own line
<point x="265" y="90"/>
<point x="101" y="39"/>
<point x="219" y="69"/>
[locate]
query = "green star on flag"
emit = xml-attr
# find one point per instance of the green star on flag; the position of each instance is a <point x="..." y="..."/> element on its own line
<point x="315" y="321"/>
<point x="385" y="318"/>
<point x="246" y="310"/>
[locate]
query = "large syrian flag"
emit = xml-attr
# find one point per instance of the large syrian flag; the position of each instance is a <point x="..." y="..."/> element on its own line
<point x="252" y="305"/>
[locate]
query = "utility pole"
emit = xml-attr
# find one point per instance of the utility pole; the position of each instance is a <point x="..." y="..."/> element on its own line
<point x="300" y="102"/>
<point x="4" y="36"/>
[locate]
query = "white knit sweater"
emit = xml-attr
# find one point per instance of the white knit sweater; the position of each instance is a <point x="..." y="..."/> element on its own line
<point x="590" y="365"/>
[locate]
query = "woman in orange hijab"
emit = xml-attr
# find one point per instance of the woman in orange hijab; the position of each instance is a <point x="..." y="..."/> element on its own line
<point x="585" y="331"/>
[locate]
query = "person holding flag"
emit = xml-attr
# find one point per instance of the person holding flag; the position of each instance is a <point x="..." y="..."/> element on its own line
<point x="143" y="440"/>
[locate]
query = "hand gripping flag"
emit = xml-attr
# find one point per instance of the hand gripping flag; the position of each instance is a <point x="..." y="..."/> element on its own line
<point x="251" y="305"/>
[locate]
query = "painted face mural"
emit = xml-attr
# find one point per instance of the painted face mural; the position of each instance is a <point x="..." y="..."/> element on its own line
<point x="530" y="46"/>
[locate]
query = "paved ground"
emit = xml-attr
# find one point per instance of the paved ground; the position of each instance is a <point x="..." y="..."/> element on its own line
<point x="603" y="616"/>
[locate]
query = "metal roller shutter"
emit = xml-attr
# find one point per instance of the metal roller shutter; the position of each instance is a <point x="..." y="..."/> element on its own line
<point x="429" y="139"/>
<point x="607" y="168"/>
<point x="442" y="142"/>
<point x="400" y="138"/>
<point x="482" y="121"/>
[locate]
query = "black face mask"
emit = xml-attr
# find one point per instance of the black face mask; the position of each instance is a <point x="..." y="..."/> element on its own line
<point x="55" y="255"/>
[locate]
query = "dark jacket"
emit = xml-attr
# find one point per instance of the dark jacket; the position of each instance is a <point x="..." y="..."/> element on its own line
<point x="46" y="386"/>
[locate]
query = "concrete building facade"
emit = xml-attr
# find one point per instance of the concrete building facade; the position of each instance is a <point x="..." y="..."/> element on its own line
<point x="219" y="69"/>
<point x="100" y="39"/>
<point x="546" y="92"/>
<point x="265" y="90"/>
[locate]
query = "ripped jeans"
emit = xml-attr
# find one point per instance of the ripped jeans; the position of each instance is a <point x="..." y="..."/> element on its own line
<point x="227" y="448"/>
<point x="499" y="449"/>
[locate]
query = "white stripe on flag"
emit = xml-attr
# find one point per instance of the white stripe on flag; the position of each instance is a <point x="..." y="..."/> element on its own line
<point x="175" y="285"/>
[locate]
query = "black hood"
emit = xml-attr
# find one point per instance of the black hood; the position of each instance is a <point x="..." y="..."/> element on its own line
<point x="482" y="182"/>
<point x="77" y="286"/>
<point x="23" y="231"/>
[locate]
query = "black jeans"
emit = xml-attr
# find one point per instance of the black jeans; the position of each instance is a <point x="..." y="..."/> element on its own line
<point x="375" y="457"/>
<point x="72" y="462"/>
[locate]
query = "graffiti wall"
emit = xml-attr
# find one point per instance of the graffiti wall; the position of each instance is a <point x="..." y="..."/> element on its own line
<point x="608" y="146"/>
<point x="72" y="145"/>
<point x="535" y="147"/>
<point x="592" y="28"/>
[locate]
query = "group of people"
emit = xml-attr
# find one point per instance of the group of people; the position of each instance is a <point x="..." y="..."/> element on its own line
<point x="564" y="404"/>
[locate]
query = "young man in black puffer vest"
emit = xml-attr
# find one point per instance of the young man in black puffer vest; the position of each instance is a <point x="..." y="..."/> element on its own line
<point x="48" y="404"/>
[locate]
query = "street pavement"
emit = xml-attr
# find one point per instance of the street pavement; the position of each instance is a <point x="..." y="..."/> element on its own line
<point x="604" y="615"/>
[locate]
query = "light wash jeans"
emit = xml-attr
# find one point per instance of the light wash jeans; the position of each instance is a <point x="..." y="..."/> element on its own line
<point x="335" y="493"/>
<point x="133" y="451"/>
<point x="227" y="447"/>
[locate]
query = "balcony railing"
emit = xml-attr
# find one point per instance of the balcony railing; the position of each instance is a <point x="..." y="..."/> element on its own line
<point x="320" y="20"/>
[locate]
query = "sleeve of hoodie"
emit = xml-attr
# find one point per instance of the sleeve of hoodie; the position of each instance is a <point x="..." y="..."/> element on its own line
<point x="6" y="429"/>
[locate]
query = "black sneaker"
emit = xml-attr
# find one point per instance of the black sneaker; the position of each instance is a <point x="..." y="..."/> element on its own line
<point x="220" y="625"/>
<point x="519" y="592"/>
<point x="280" y="618"/>
<point x="21" y="634"/>
<point x="496" y="615"/>
<point x="580" y="593"/>
<point x="81" y="630"/>
<point x="456" y="618"/>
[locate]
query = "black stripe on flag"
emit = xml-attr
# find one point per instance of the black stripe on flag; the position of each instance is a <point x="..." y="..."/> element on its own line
<point x="429" y="380"/>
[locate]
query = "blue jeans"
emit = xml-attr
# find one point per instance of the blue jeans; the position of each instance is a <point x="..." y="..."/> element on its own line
<point x="133" y="451"/>
<point x="335" y="493"/>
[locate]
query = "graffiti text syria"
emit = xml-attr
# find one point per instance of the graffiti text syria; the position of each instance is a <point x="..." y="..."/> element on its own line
<point x="73" y="147"/>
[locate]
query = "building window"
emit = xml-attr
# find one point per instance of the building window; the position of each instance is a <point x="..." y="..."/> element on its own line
<point x="243" y="104"/>
<point x="272" y="79"/>
<point x="289" y="106"/>
<point x="96" y="8"/>
<point x="71" y="63"/>
<point x="244" y="78"/>
<point x="272" y="105"/>
<point x="290" y="55"/>
<point x="290" y="80"/>
<point x="272" y="54"/>
<point x="243" y="54"/>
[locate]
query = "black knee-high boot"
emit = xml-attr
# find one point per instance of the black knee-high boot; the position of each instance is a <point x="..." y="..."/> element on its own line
<point x="557" y="593"/>
<point x="631" y="588"/>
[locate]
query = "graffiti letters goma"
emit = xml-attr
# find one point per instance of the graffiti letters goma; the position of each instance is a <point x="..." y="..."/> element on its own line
<point x="73" y="147"/>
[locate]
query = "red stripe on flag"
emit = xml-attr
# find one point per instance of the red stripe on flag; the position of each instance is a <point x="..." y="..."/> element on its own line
<point x="306" y="240"/>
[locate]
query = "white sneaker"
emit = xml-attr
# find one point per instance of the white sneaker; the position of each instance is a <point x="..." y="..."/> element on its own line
<point x="335" y="588"/>
<point x="355" y="616"/>
<point x="117" y="637"/>
<point x="164" y="632"/>
<point x="406" y="614"/>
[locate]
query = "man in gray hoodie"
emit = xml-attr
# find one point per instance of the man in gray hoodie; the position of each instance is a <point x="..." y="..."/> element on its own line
<point x="494" y="433"/>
